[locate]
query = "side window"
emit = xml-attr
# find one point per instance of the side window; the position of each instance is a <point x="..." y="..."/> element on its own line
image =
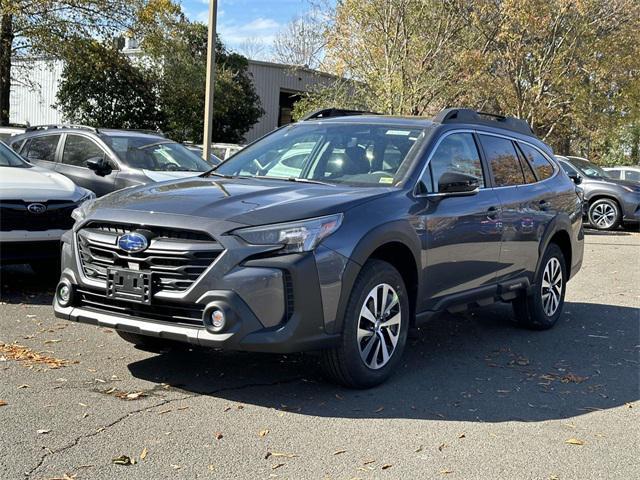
<point x="503" y="160"/>
<point x="529" y="176"/>
<point x="42" y="148"/>
<point x="456" y="153"/>
<point x="632" y="175"/>
<point x="616" y="173"/>
<point x="540" y="164"/>
<point x="79" y="149"/>
<point x="568" y="168"/>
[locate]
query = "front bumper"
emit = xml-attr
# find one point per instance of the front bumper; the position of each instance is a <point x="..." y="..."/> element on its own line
<point x="276" y="302"/>
<point x="631" y="207"/>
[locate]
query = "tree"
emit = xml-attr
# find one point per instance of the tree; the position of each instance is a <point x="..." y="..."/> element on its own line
<point x="402" y="55"/>
<point x="178" y="47"/>
<point x="44" y="27"/>
<point x="301" y="42"/>
<point x="101" y="87"/>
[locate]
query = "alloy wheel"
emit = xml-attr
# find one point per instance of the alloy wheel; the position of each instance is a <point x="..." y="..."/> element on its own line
<point x="379" y="326"/>
<point x="603" y="215"/>
<point x="551" y="286"/>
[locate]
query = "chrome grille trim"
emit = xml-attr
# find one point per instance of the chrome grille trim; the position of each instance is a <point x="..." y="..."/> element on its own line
<point x="176" y="262"/>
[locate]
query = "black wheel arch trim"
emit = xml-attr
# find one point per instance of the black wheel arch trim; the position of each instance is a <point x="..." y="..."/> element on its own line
<point x="399" y="231"/>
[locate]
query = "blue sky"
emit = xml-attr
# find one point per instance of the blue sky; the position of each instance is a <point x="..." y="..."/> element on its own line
<point x="240" y="20"/>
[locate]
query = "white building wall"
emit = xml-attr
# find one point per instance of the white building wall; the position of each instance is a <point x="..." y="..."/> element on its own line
<point x="32" y="102"/>
<point x="33" y="94"/>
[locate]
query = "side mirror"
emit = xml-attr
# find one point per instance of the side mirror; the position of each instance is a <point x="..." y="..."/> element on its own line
<point x="99" y="165"/>
<point x="456" y="183"/>
<point x="577" y="179"/>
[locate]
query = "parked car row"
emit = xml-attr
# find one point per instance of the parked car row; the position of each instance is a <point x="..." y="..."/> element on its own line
<point x="609" y="201"/>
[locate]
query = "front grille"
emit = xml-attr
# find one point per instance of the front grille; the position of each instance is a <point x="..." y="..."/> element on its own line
<point x="177" y="258"/>
<point x="164" y="311"/>
<point x="14" y="215"/>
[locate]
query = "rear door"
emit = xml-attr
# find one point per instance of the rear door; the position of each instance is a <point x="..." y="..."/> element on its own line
<point x="525" y="206"/>
<point x="42" y="150"/>
<point x="462" y="234"/>
<point x="76" y="150"/>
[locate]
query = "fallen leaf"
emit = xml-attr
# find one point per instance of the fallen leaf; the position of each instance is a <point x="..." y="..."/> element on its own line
<point x="3" y="403"/>
<point x="135" y="395"/>
<point x="144" y="453"/>
<point x="52" y="341"/>
<point x="263" y="433"/>
<point x="379" y="409"/>
<point x="572" y="378"/>
<point x="175" y="467"/>
<point x="419" y="449"/>
<point x="277" y="465"/>
<point x="122" y="460"/>
<point x="445" y="472"/>
<point x="43" y="431"/>
<point x="226" y="409"/>
<point x="218" y="435"/>
<point x="339" y="397"/>
<point x="338" y="452"/>
<point x="280" y="454"/>
<point x="386" y="465"/>
<point x="442" y="446"/>
<point x="462" y="435"/>
<point x="574" y="441"/>
<point x="24" y="385"/>
<point x="367" y="462"/>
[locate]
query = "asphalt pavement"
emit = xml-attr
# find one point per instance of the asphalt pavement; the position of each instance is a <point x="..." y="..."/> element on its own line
<point x="477" y="397"/>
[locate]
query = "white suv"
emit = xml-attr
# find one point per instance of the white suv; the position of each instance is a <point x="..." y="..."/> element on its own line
<point x="35" y="210"/>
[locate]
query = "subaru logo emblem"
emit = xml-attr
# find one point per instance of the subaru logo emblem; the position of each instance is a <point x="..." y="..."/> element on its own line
<point x="133" y="242"/>
<point x="36" y="208"/>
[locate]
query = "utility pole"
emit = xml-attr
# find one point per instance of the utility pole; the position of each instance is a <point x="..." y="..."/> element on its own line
<point x="211" y="80"/>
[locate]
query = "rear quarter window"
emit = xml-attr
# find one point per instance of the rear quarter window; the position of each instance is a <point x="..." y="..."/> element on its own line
<point x="538" y="162"/>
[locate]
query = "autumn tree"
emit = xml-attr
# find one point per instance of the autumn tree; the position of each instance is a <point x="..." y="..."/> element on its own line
<point x="301" y="42"/>
<point x="44" y="27"/>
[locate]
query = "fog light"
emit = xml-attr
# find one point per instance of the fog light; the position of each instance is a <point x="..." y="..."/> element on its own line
<point x="218" y="320"/>
<point x="64" y="293"/>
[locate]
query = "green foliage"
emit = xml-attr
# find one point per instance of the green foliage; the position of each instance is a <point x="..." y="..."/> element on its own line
<point x="101" y="87"/>
<point x="180" y="48"/>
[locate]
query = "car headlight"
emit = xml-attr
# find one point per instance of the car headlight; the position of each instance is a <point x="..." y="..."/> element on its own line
<point x="295" y="237"/>
<point x="80" y="213"/>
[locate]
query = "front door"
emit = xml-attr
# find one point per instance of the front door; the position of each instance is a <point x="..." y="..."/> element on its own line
<point x="461" y="238"/>
<point x="77" y="149"/>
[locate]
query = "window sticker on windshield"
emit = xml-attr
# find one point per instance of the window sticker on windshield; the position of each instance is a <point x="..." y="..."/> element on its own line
<point x="404" y="133"/>
<point x="386" y="180"/>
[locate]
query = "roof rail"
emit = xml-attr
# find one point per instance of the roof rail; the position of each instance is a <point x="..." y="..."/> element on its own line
<point x="466" y="115"/>
<point x="148" y="131"/>
<point x="54" y="126"/>
<point x="335" y="112"/>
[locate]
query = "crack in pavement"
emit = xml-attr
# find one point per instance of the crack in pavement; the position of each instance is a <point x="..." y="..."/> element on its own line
<point x="77" y="440"/>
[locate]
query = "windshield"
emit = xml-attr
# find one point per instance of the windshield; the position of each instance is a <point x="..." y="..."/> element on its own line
<point x="589" y="169"/>
<point x="9" y="158"/>
<point x="159" y="155"/>
<point x="358" y="154"/>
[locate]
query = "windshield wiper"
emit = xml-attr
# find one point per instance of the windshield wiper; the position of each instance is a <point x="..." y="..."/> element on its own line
<point x="211" y="172"/>
<point x="308" y="180"/>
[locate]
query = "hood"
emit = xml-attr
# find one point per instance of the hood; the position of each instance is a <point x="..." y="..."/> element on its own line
<point x="35" y="184"/>
<point x="615" y="181"/>
<point x="241" y="201"/>
<point x="164" y="176"/>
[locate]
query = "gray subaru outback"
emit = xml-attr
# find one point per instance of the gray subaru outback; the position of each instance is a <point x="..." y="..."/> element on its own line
<point x="335" y="234"/>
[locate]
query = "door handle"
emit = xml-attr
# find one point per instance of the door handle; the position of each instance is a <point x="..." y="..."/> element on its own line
<point x="492" y="213"/>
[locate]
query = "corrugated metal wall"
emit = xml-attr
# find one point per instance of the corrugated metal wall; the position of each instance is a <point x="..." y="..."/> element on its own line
<point x="33" y="101"/>
<point x="34" y="92"/>
<point x="269" y="79"/>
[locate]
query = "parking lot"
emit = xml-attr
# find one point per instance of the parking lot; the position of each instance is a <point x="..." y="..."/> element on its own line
<point x="477" y="397"/>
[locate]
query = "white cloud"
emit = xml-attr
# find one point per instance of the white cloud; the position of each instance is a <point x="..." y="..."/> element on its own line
<point x="262" y="29"/>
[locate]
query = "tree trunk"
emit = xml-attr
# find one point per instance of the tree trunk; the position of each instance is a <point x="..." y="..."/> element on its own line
<point x="6" y="42"/>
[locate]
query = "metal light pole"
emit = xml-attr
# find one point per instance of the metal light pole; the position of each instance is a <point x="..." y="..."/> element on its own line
<point x="211" y="80"/>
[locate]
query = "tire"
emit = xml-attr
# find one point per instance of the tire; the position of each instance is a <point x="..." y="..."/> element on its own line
<point x="358" y="362"/>
<point x="535" y="311"/>
<point x="146" y="342"/>
<point x="604" y="214"/>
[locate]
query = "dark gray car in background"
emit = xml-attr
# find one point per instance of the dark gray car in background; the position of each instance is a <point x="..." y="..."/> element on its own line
<point x="610" y="202"/>
<point x="105" y="160"/>
<point x="380" y="223"/>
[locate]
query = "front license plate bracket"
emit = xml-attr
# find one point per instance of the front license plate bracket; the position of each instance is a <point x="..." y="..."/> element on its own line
<point x="130" y="285"/>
